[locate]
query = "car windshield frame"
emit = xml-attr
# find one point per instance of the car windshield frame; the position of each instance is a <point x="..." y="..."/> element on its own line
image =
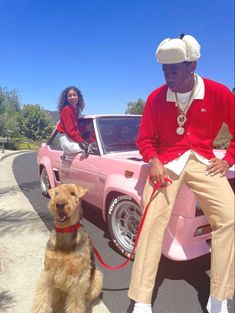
<point x="118" y="133"/>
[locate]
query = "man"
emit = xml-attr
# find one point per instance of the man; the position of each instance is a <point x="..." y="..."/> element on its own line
<point x="179" y="124"/>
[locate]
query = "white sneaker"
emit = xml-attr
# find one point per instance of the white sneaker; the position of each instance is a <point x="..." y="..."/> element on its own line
<point x="142" y="308"/>
<point x="217" y="306"/>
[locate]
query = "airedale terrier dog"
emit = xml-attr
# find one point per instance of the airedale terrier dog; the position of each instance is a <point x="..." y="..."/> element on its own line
<point x="70" y="280"/>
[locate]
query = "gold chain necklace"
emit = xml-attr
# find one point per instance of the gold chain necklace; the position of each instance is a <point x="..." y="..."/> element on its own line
<point x="181" y="118"/>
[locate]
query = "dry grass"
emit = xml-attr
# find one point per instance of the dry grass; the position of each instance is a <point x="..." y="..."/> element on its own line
<point x="223" y="138"/>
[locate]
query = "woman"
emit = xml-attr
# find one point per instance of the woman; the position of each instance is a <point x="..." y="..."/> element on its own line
<point x="71" y="104"/>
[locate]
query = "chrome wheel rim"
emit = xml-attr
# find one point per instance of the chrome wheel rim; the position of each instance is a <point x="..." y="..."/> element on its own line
<point x="44" y="180"/>
<point x="125" y="223"/>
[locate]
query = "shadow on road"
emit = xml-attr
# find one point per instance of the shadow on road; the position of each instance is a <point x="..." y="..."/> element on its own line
<point x="193" y="272"/>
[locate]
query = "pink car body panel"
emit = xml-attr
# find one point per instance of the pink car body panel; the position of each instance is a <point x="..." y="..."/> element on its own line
<point x="106" y="174"/>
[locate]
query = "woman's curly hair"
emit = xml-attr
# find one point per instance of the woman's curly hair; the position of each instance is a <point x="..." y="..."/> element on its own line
<point x="63" y="99"/>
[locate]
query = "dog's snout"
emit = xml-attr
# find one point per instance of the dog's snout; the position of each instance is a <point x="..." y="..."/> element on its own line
<point x="60" y="205"/>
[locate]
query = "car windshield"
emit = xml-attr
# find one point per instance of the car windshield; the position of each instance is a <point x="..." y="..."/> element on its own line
<point x="118" y="134"/>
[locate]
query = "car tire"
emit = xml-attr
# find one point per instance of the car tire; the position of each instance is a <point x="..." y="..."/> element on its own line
<point x="44" y="182"/>
<point x="123" y="218"/>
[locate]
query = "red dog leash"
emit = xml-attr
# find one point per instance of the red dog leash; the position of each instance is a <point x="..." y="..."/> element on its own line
<point x="113" y="268"/>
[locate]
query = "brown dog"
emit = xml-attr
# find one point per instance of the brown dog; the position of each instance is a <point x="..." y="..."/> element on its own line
<point x="70" y="280"/>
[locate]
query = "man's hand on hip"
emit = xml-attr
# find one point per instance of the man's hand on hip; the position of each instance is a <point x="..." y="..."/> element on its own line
<point x="217" y="166"/>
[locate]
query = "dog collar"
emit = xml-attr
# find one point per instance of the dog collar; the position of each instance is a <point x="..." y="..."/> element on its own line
<point x="70" y="229"/>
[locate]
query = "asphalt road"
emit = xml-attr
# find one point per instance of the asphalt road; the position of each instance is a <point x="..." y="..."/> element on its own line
<point x="182" y="287"/>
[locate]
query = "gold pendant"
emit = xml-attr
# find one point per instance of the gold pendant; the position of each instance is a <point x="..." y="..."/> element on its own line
<point x="180" y="130"/>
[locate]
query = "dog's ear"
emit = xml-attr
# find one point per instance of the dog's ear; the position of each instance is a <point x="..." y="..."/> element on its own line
<point x="81" y="190"/>
<point x="51" y="192"/>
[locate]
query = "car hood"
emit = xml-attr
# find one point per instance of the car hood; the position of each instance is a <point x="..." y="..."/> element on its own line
<point x="136" y="156"/>
<point x="133" y="156"/>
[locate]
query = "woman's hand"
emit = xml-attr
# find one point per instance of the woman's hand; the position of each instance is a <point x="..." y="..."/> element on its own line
<point x="157" y="171"/>
<point x="84" y="146"/>
<point x="217" y="166"/>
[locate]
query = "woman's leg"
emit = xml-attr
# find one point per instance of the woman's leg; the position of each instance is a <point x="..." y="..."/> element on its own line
<point x="69" y="146"/>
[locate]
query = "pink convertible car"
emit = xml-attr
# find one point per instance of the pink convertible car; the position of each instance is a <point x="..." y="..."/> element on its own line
<point x="114" y="173"/>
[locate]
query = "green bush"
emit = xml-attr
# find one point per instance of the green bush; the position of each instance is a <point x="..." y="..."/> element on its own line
<point x="21" y="143"/>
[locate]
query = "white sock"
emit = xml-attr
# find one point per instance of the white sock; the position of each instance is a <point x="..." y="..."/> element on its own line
<point x="142" y="308"/>
<point x="217" y="306"/>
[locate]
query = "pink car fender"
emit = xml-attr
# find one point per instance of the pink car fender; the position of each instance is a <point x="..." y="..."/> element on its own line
<point x="120" y="184"/>
<point x="47" y="164"/>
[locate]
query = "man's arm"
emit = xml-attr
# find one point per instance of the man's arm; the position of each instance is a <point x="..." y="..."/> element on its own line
<point x="216" y="165"/>
<point x="147" y="143"/>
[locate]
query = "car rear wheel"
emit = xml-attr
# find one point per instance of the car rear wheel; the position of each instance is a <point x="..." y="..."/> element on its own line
<point x="44" y="182"/>
<point x="123" y="219"/>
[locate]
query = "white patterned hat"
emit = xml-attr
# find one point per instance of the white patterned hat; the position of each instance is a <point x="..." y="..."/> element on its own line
<point x="178" y="50"/>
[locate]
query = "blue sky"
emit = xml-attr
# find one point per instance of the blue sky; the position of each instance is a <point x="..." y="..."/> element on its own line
<point x="105" y="47"/>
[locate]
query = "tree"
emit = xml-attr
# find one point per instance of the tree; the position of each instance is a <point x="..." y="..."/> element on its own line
<point x="9" y="111"/>
<point x="36" y="123"/>
<point x="135" y="107"/>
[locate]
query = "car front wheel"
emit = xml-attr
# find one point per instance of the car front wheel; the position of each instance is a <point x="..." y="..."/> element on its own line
<point x="44" y="182"/>
<point x="123" y="219"/>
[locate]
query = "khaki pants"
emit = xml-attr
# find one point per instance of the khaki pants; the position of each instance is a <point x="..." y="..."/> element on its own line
<point x="216" y="198"/>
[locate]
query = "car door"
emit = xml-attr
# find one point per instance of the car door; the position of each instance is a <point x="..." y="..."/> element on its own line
<point x="54" y="154"/>
<point x="84" y="169"/>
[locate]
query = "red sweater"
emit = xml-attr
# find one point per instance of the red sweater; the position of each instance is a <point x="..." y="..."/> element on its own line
<point x="68" y="123"/>
<point x="158" y="137"/>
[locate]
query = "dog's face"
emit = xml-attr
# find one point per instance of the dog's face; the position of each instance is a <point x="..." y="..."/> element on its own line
<point x="65" y="203"/>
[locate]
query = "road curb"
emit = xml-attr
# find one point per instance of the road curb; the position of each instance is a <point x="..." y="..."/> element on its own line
<point x="12" y="152"/>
